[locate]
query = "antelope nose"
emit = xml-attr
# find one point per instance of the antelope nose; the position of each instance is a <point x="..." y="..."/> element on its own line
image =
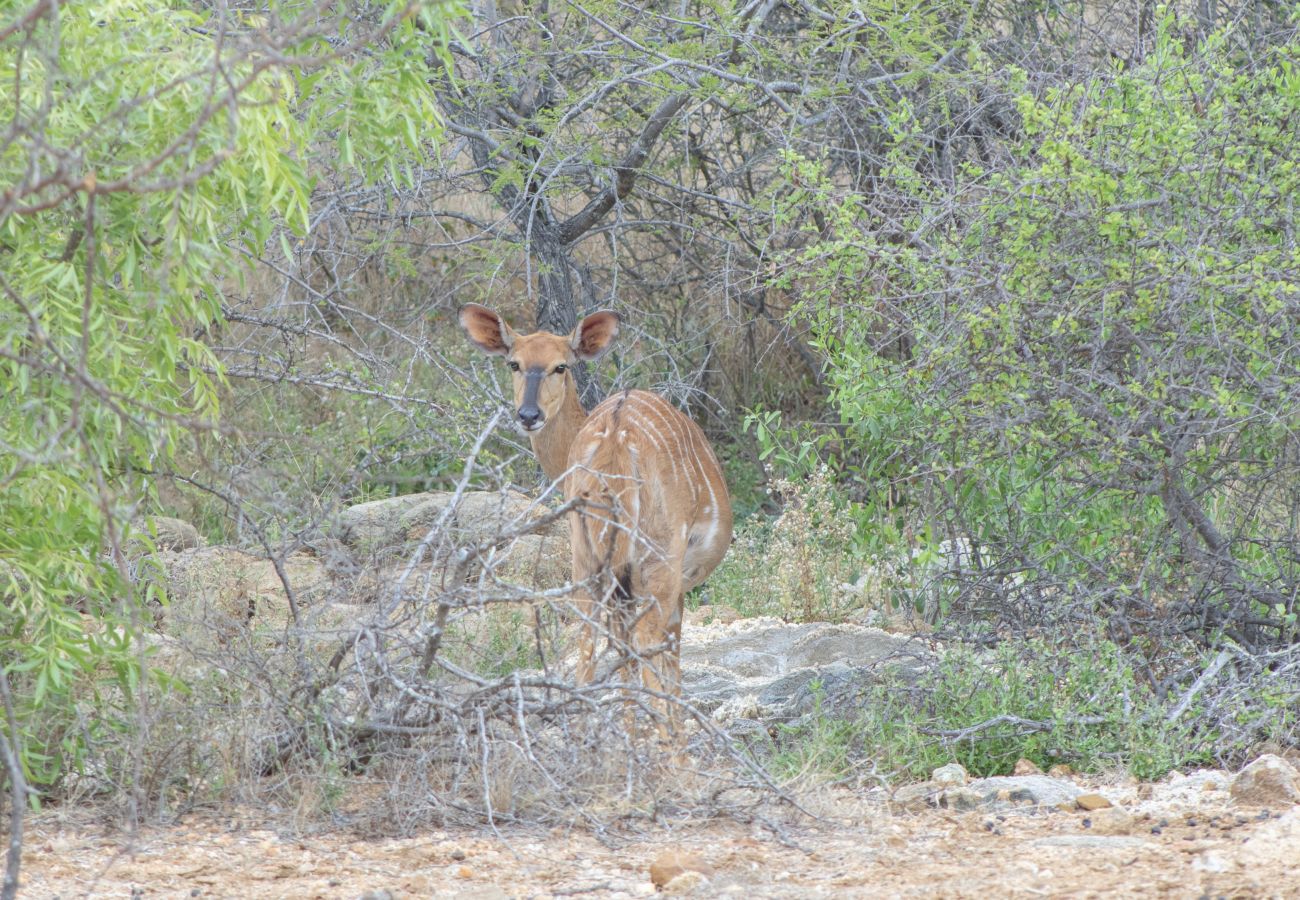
<point x="529" y="416"/>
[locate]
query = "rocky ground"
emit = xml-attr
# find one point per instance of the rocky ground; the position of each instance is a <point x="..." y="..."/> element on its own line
<point x="1187" y="836"/>
<point x="1205" y="834"/>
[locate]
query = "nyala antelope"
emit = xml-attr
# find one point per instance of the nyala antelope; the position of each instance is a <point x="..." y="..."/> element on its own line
<point x="654" y="518"/>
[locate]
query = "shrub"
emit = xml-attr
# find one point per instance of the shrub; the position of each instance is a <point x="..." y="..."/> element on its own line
<point x="1082" y="362"/>
<point x="144" y="154"/>
<point x="1081" y="703"/>
<point x="796" y="565"/>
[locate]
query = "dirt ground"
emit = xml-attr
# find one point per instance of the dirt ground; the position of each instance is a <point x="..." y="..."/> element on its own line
<point x="1182" y="837"/>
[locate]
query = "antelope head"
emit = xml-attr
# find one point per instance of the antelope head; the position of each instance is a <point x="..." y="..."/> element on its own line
<point x="540" y="363"/>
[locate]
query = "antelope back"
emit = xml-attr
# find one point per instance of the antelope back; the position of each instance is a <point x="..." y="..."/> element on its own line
<point x="652" y="470"/>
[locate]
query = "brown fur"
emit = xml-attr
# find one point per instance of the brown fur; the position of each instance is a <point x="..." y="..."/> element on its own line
<point x="656" y="518"/>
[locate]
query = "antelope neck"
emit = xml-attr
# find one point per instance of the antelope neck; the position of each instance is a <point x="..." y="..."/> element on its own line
<point x="551" y="443"/>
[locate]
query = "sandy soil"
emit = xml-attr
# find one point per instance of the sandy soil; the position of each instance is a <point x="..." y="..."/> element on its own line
<point x="1180" y="838"/>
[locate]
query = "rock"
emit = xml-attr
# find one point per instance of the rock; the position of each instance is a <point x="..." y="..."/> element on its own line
<point x="390" y="530"/>
<point x="1092" y="802"/>
<point x="1060" y="770"/>
<point x="951" y="775"/>
<point x="1040" y="790"/>
<point x="223" y="601"/>
<point x="685" y="883"/>
<point x="793" y="670"/>
<point x="1211" y="863"/>
<point x="712" y="613"/>
<point x="173" y="534"/>
<point x="482" y="515"/>
<point x="671" y="864"/>
<point x="915" y="797"/>
<point x="1026" y="767"/>
<point x="536" y="561"/>
<point x="739" y="707"/>
<point x="1269" y="781"/>
<point x="1090" y="842"/>
<point x="963" y="799"/>
<point x="1111" y="820"/>
<point x="215" y="592"/>
<point x="378" y="524"/>
<point x="1276" y="842"/>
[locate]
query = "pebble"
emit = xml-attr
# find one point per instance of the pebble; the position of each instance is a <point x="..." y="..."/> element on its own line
<point x="672" y="863"/>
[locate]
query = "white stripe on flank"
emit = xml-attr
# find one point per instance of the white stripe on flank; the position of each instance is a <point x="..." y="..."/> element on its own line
<point x="671" y="459"/>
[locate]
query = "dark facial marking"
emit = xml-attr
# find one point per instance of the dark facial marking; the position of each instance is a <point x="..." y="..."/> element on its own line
<point x="529" y="411"/>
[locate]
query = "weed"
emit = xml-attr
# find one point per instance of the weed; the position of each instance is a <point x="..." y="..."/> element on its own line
<point x="1083" y="705"/>
<point x="794" y="566"/>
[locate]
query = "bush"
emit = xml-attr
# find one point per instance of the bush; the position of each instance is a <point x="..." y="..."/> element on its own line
<point x="795" y="566"/>
<point x="144" y="155"/>
<point x="1080" y="704"/>
<point x="1095" y="386"/>
<point x="1084" y="702"/>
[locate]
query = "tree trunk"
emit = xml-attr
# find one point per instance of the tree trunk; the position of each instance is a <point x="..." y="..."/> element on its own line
<point x="557" y="300"/>
<point x="557" y="305"/>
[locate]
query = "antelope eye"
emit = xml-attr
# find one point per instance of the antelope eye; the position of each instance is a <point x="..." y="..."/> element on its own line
<point x="560" y="369"/>
<point x="514" y="366"/>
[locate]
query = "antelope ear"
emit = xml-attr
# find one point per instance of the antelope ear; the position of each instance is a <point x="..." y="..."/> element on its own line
<point x="594" y="334"/>
<point x="486" y="329"/>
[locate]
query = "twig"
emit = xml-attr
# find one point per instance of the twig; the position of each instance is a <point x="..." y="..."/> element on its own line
<point x="1205" y="678"/>
<point x="9" y="749"/>
<point x="962" y="734"/>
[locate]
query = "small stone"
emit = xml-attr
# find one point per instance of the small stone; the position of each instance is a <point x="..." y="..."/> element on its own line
<point x="1211" y="862"/>
<point x="915" y="796"/>
<point x="1061" y="770"/>
<point x="1112" y="820"/>
<point x="1037" y="789"/>
<point x="1091" y="802"/>
<point x="1275" y="842"/>
<point x="458" y="854"/>
<point x="464" y="872"/>
<point x="173" y="534"/>
<point x="962" y="798"/>
<point x="672" y="863"/>
<point x="951" y="775"/>
<point x="1090" y="842"/>
<point x="685" y="883"/>
<point x="1269" y="781"/>
<point x="1026" y="767"/>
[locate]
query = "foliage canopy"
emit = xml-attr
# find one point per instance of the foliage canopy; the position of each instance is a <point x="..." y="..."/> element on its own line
<point x="148" y="145"/>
